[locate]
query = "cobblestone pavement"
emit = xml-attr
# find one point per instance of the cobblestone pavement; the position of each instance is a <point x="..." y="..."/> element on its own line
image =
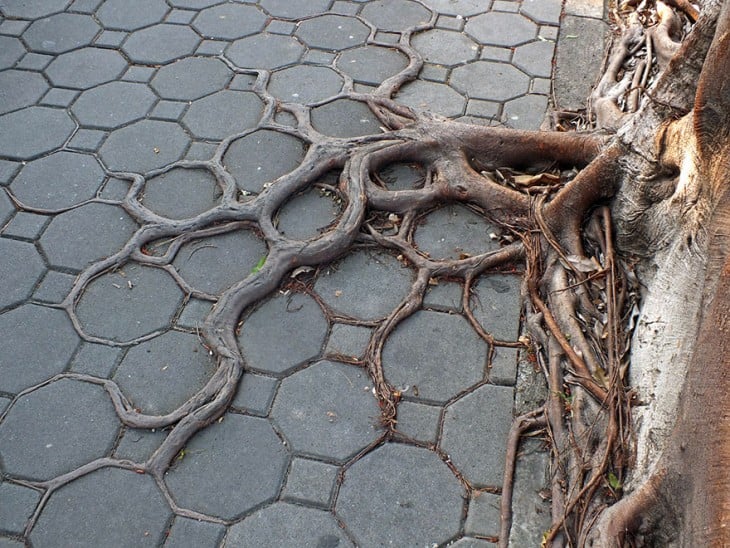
<point x="93" y="92"/>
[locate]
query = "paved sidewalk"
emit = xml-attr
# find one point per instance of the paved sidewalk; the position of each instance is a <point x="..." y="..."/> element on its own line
<point x="93" y="89"/>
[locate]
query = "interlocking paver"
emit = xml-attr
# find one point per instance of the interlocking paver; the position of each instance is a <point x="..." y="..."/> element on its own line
<point x="371" y="64"/>
<point x="293" y="9"/>
<point x="305" y="84"/>
<point x="445" y="47"/>
<point x="526" y="112"/>
<point x="464" y="8"/>
<point x="310" y="481"/>
<point x="307" y="215"/>
<point x="345" y="118"/>
<point x="496" y="305"/>
<point x="210" y="117"/>
<point x="25" y="226"/>
<point x="160" y="44"/>
<point x="394" y="15"/>
<point x="19" y="502"/>
<point x="489" y="80"/>
<point x="144" y="146"/>
<point x="33" y="131"/>
<point x="191" y="533"/>
<point x="418" y="421"/>
<point x="20" y="269"/>
<point x="96" y="359"/>
<point x="11" y="49"/>
<point x="489" y="28"/>
<point x="255" y="394"/>
<point x="265" y="51"/>
<point x="543" y="11"/>
<point x="61" y="32"/>
<point x="32" y="9"/>
<point x="334" y="32"/>
<point x="191" y="78"/>
<point x="432" y="96"/>
<point x="453" y="232"/>
<point x="535" y="58"/>
<point x="85" y="68"/>
<point x="112" y="105"/>
<point x="229" y="21"/>
<point x="20" y="89"/>
<point x="181" y="193"/>
<point x="348" y="340"/>
<point x="131" y="14"/>
<point x="54" y="287"/>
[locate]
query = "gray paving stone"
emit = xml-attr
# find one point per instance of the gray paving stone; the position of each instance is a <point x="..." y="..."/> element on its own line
<point x="56" y="429"/>
<point x="448" y="22"/>
<point x="434" y="73"/>
<point x="7" y="209"/>
<point x="61" y="32"/>
<point x="171" y="111"/>
<point x="348" y="340"/>
<point x="115" y="189"/>
<point x="109" y="507"/>
<point x="265" y="51"/>
<point x="286" y="525"/>
<point x="531" y="511"/>
<point x="229" y="21"/>
<point x="444" y="296"/>
<point x="19" y="502"/>
<point x="535" y="58"/>
<point x="31" y="9"/>
<point x="211" y="47"/>
<point x="261" y="157"/>
<point x="234" y="255"/>
<point x="181" y="17"/>
<point x="194" y="313"/>
<point x="344" y="7"/>
<point x="543" y="11"/>
<point x="33" y="131"/>
<point x="307" y="215"/>
<point x="214" y="476"/>
<point x="192" y="4"/>
<point x="20" y="89"/>
<point x="58" y="97"/>
<point x="139" y="445"/>
<point x="161" y="374"/>
<point x="345" y="118"/>
<point x="407" y="491"/>
<point x="311" y="482"/>
<point x="475" y="434"/>
<point x="496" y="53"/>
<point x="85" y="6"/>
<point x="445" y="47"/>
<point x="11" y="50"/>
<point x="333" y="32"/>
<point x="483" y="515"/>
<point x="4" y="403"/>
<point x="86" y="67"/>
<point x="8" y="170"/>
<point x="496" y="305"/>
<point x="87" y="140"/>
<point x="490" y="80"/>
<point x="160" y="44"/>
<point x="305" y="84"/>
<point x="465" y="8"/>
<point x="25" y="226"/>
<point x="501" y="29"/>
<point x="432" y="96"/>
<point x="54" y="287"/>
<point x="453" y="232"/>
<point x="294" y="9"/>
<point x="13" y="28"/>
<point x="34" y="61"/>
<point x="318" y="57"/>
<point x="20" y="270"/>
<point x="244" y="82"/>
<point x="210" y="117"/>
<point x="395" y="15"/>
<point x="147" y="307"/>
<point x="60" y="180"/>
<point x="282" y="333"/>
<point x="138" y="73"/>
<point x="526" y="112"/>
<point x="364" y="285"/>
<point x="438" y="355"/>
<point x="418" y="421"/>
<point x="96" y="359"/>
<point x="324" y="412"/>
<point x="402" y="176"/>
<point x="281" y="27"/>
<point x="111" y="38"/>
<point x="548" y="33"/>
<point x="11" y="543"/>
<point x="503" y="369"/>
<point x="191" y="533"/>
<point x="506" y="5"/>
<point x="541" y="86"/>
<point x="144" y="146"/>
<point x="191" y="78"/>
<point x="113" y="105"/>
<point x="468" y="542"/>
<point x="181" y="193"/>
<point x="371" y="64"/>
<point x="255" y="394"/>
<point x="585" y="8"/>
<point x="483" y="109"/>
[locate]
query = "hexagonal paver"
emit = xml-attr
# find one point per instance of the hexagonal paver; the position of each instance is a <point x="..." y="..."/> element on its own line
<point x="261" y="157"/>
<point x="160" y="44"/>
<point x="32" y="9"/>
<point x="144" y="146"/>
<point x="294" y="9"/>
<point x="408" y="491"/>
<point x="345" y="118"/>
<point x="527" y="112"/>
<point x="66" y="241"/>
<point x="33" y="131"/>
<point x="181" y="193"/>
<point x="307" y="215"/>
<point x="371" y="64"/>
<point x="490" y="80"/>
<point x="535" y="58"/>
<point x="325" y="412"/>
<point x="85" y="68"/>
<point x="61" y="32"/>
<point x="56" y="429"/>
<point x="364" y="285"/>
<point x="445" y="47"/>
<point x="109" y="507"/>
<point x="475" y="434"/>
<point x="496" y="305"/>
<point x="305" y="84"/>
<point x="131" y="14"/>
<point x="277" y="525"/>
<point x="452" y="232"/>
<point x="191" y="78"/>
<point x="11" y="50"/>
<point x="160" y="375"/>
<point x="333" y="32"/>
<point x="543" y="11"/>
<point x="265" y="51"/>
<point x="214" y="264"/>
<point x="145" y="307"/>
<point x="113" y="105"/>
<point x="20" y="89"/>
<point x="432" y="96"/>
<point x="501" y="29"/>
<point x="438" y="355"/>
<point x="283" y="333"/>
<point x="210" y="117"/>
<point x="229" y="21"/>
<point x="215" y="475"/>
<point x="20" y="270"/>
<point x="395" y="15"/>
<point x="35" y="335"/>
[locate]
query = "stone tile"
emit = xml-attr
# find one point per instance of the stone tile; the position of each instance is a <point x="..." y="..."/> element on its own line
<point x="343" y="7"/>
<point x="408" y="491"/>
<point x="503" y="369"/>
<point x="85" y="68"/>
<point x="383" y="37"/>
<point x="543" y="11"/>
<point x="211" y="47"/>
<point x="115" y="189"/>
<point x="160" y="44"/>
<point x="496" y="305"/>
<point x="305" y="84"/>
<point x="111" y="39"/>
<point x="541" y="86"/>
<point x="194" y="313"/>
<point x="145" y="308"/>
<point x="229" y="21"/>
<point x="255" y="394"/>
<point x="139" y="445"/>
<point x="418" y="421"/>
<point x="85" y="6"/>
<point x="11" y="50"/>
<point x="19" y="503"/>
<point x="531" y="512"/>
<point x="395" y="15"/>
<point x="20" y="89"/>
<point x="7" y="209"/>
<point x="307" y="215"/>
<point x="483" y="109"/>
<point x="214" y="264"/>
<point x="191" y="78"/>
<point x="144" y="146"/>
<point x="371" y="64"/>
<point x="332" y="32"/>
<point x="453" y="232"/>
<point x="489" y="80"/>
<point x="181" y="193"/>
<point x="20" y="270"/>
<point x="261" y="157"/>
<point x="526" y="112"/>
<point x="364" y="285"/>
<point x="210" y="117"/>
<point x="191" y="533"/>
<point x="432" y="96"/>
<point x="318" y="57"/>
<point x="171" y="111"/>
<point x="585" y="8"/>
<point x="87" y="140"/>
<point x="348" y="340"/>
<point x="32" y="9"/>
<point x="475" y="434"/>
<point x="496" y="53"/>
<point x="56" y="429"/>
<point x="311" y="482"/>
<point x="231" y="448"/>
<point x="96" y="359"/>
<point x="112" y="105"/>
<point x="445" y="47"/>
<point x="434" y="73"/>
<point x="4" y="403"/>
<point x="25" y="226"/>
<point x="192" y="4"/>
<point x="181" y="17"/>
<point x="345" y="118"/>
<point x="535" y="58"/>
<point x="483" y="516"/>
<point x="33" y="131"/>
<point x="11" y="543"/>
<point x="243" y="82"/>
<point x="464" y="8"/>
<point x="445" y="296"/>
<point x="8" y="170"/>
<point x="548" y="33"/>
<point x="54" y="287"/>
<point x="138" y="73"/>
<point x="281" y="523"/>
<point x="283" y="333"/>
<point x="448" y="22"/>
<point x="61" y="33"/>
<point x="58" y="97"/>
<point x="34" y="61"/>
<point x="12" y="27"/>
<point x="401" y="176"/>
<point x="501" y="29"/>
<point x="281" y="27"/>
<point x="109" y="507"/>
<point x="294" y="9"/>
<point x="324" y="412"/>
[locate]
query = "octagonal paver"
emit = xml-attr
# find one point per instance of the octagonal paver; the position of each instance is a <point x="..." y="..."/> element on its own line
<point x="113" y="105"/>
<point x="432" y="96"/>
<point x="131" y="14"/>
<point x="294" y="9"/>
<point x="345" y="118"/>
<point x="33" y="131"/>
<point x="56" y="429"/>
<point x="20" y="89"/>
<point x="453" y="232"/>
<point x="265" y="51"/>
<point x="160" y="44"/>
<point x="85" y="68"/>
<point x="395" y="15"/>
<point x="333" y="32"/>
<point x="527" y="112"/>
<point x="66" y="241"/>
<point x="61" y="32"/>
<point x="214" y="264"/>
<point x="229" y="21"/>
<point x="216" y="474"/>
<point x="144" y="146"/>
<point x="283" y="333"/>
<point x="191" y="78"/>
<point x="261" y="157"/>
<point x="371" y="64"/>
<point x="535" y="58"/>
<point x="438" y="355"/>
<point x="496" y="305"/>
<point x="543" y="11"/>
<point x="20" y="270"/>
<point x="181" y="193"/>
<point x="465" y="8"/>
<point x="32" y="9"/>
<point x="305" y="84"/>
<point x="307" y="215"/>
<point x="325" y="412"/>
<point x="364" y="285"/>
<point x="279" y="524"/>
<point x="490" y="80"/>
<point x="11" y="50"/>
<point x="475" y="434"/>
<point x="37" y="344"/>
<point x="109" y="507"/>
<point x="146" y="307"/>
<point x="212" y="117"/>
<point x="445" y="47"/>
<point x="407" y="491"/>
<point x="489" y="28"/>
<point x="161" y="374"/>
